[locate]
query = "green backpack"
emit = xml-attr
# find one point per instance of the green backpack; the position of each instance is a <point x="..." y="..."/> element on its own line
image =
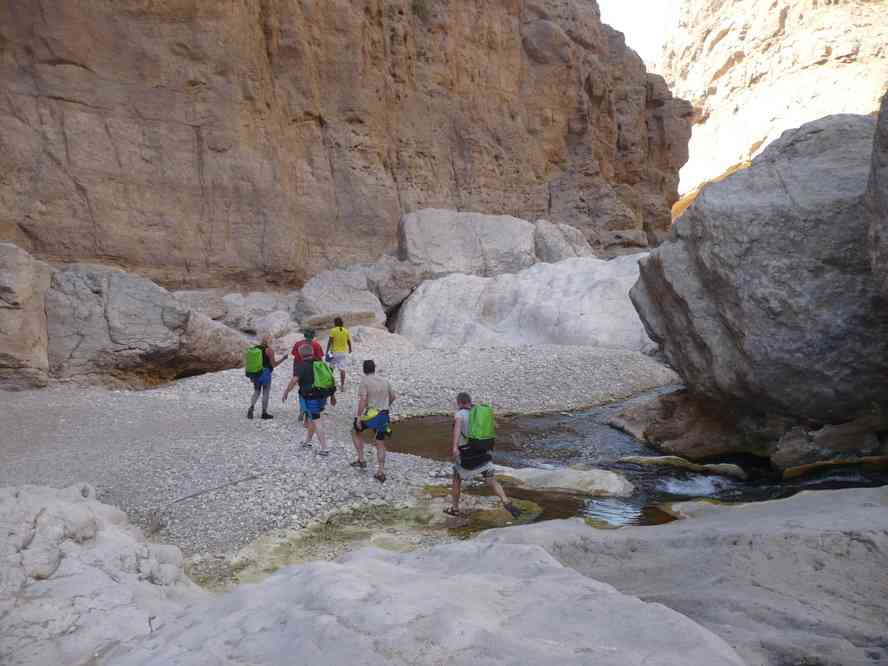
<point x="253" y="360"/>
<point x="324" y="382"/>
<point x="482" y="424"/>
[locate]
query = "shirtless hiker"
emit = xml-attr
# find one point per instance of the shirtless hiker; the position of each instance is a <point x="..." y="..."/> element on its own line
<point x="375" y="397"/>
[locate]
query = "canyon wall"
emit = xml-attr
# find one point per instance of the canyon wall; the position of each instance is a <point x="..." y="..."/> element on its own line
<point x="756" y="68"/>
<point x="203" y="143"/>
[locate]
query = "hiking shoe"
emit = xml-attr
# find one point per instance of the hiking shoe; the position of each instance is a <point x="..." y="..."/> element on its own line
<point x="324" y="453"/>
<point x="306" y="445"/>
<point x="250" y="413"/>
<point x="360" y="464"/>
<point x="267" y="416"/>
<point x="514" y="510"/>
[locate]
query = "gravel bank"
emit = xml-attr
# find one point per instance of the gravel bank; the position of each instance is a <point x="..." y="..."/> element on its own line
<point x="145" y="451"/>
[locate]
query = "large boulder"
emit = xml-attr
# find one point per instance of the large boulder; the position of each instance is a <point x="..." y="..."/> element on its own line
<point x="76" y="578"/>
<point x="110" y="326"/>
<point x="462" y="603"/>
<point x="333" y="293"/>
<point x="447" y="241"/>
<point x="765" y="298"/>
<point x="23" y="282"/>
<point x="393" y="280"/>
<point x="210" y="302"/>
<point x="877" y="201"/>
<point x="580" y="301"/>
<point x="555" y="242"/>
<point x="244" y="311"/>
<point x="794" y="581"/>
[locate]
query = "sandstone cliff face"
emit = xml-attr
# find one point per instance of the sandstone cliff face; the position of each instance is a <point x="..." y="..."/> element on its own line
<point x="202" y="143"/>
<point x="755" y="68"/>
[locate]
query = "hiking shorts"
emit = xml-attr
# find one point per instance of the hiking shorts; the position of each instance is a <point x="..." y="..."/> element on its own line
<point x="485" y="471"/>
<point x="379" y="424"/>
<point x="339" y="360"/>
<point x="314" y="407"/>
<point x="262" y="378"/>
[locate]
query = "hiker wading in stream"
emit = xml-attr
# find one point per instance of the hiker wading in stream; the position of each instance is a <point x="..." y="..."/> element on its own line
<point x="375" y="397"/>
<point x="471" y="451"/>
<point x="316" y="385"/>
<point x="262" y="378"/>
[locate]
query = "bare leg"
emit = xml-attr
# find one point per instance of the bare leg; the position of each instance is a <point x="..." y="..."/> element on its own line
<point x="498" y="489"/>
<point x="310" y="426"/>
<point x="455" y="490"/>
<point x="257" y="391"/>
<point x="342" y="379"/>
<point x="359" y="445"/>
<point x="322" y="438"/>
<point x="266" y="393"/>
<point x="380" y="456"/>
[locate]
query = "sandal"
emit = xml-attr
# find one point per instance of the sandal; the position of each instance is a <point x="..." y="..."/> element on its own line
<point x="360" y="464"/>
<point x="379" y="477"/>
<point x="306" y="445"/>
<point x="324" y="453"/>
<point x="456" y="513"/>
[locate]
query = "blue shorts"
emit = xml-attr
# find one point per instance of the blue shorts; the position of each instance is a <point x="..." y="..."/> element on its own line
<point x="379" y="423"/>
<point x="313" y="406"/>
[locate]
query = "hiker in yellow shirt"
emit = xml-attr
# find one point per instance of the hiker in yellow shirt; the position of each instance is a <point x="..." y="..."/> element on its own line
<point x="339" y="346"/>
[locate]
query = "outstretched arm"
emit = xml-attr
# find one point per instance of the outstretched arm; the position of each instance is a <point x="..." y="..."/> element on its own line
<point x="289" y="388"/>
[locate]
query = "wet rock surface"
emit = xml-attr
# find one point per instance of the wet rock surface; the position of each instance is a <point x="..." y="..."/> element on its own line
<point x="790" y="581"/>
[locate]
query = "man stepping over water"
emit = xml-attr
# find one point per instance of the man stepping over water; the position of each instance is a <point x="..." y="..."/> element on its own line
<point x="339" y="346"/>
<point x="375" y="397"/>
<point x="471" y="452"/>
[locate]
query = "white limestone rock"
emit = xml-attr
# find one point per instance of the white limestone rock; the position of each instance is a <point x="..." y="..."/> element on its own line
<point x="597" y="482"/>
<point x="793" y="581"/>
<point x="76" y="577"/>
<point x="331" y="293"/>
<point x="580" y="301"/>
<point x="556" y="242"/>
<point x="446" y="241"/>
<point x="463" y="603"/>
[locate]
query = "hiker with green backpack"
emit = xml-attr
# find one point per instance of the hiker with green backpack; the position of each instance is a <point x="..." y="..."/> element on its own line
<point x="316" y="385"/>
<point x="474" y="434"/>
<point x="259" y="363"/>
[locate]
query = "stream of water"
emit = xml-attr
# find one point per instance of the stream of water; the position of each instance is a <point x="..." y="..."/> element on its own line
<point x="584" y="439"/>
